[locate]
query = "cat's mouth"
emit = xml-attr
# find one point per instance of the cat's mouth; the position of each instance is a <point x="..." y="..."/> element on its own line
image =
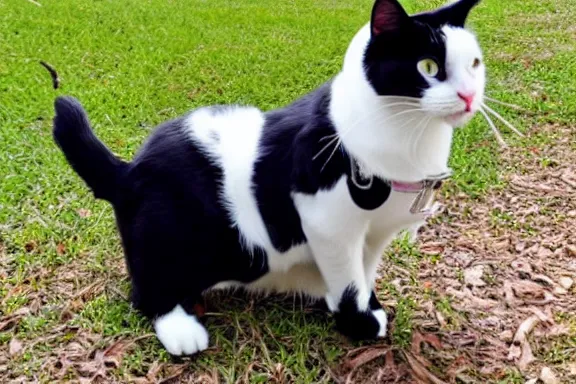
<point x="459" y="118"/>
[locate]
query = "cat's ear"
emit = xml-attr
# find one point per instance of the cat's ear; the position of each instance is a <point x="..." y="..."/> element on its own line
<point x="387" y="16"/>
<point x="454" y="14"/>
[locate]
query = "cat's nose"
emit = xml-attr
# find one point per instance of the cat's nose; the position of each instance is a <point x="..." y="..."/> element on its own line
<point x="468" y="98"/>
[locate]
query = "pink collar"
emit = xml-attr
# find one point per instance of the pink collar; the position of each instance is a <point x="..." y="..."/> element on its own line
<point x="400" y="186"/>
<point x="432" y="183"/>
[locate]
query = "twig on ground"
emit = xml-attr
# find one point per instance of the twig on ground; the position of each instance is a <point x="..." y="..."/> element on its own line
<point x="52" y="71"/>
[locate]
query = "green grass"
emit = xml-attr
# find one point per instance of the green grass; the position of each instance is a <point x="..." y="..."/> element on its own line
<point x="136" y="63"/>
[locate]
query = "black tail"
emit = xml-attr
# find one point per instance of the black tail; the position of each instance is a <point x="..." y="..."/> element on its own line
<point x="99" y="168"/>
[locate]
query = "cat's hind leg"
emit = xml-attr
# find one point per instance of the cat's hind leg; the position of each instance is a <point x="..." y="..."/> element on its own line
<point x="168" y="275"/>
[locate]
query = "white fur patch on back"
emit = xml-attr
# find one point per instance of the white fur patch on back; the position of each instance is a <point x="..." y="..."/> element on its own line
<point x="231" y="137"/>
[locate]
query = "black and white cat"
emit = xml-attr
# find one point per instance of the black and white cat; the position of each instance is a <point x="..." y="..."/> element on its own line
<point x="301" y="199"/>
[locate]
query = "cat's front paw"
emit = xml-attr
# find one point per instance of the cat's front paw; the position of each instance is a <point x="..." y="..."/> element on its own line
<point x="380" y="315"/>
<point x="181" y="333"/>
<point x="368" y="325"/>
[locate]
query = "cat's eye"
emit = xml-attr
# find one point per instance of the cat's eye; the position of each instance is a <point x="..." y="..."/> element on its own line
<point x="476" y="63"/>
<point x="428" y="67"/>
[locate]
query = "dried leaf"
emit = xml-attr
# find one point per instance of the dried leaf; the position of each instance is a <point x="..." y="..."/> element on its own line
<point x="459" y="365"/>
<point x="506" y="335"/>
<point x="418" y="338"/>
<point x="527" y="289"/>
<point x="114" y="353"/>
<point x="473" y="276"/>
<point x="432" y="249"/>
<point x="520" y="350"/>
<point x="175" y="371"/>
<point x="365" y="356"/>
<point x="560" y="291"/>
<point x="9" y="322"/>
<point x="441" y="319"/>
<point x="566" y="282"/>
<point x="420" y="370"/>
<point x="548" y="377"/>
<point x="30" y="246"/>
<point x="60" y="249"/>
<point x="544" y="252"/>
<point x="15" y="347"/>
<point x="84" y="213"/>
<point x="544" y="279"/>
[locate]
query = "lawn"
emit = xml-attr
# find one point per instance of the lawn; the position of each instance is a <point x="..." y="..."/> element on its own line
<point x="496" y="262"/>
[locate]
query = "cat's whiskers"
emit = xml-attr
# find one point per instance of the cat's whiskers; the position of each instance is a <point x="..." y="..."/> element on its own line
<point x="338" y="143"/>
<point x="503" y="120"/>
<point x="394" y="116"/>
<point x="412" y="144"/>
<point x="327" y="137"/>
<point x="399" y="97"/>
<point x="494" y="129"/>
<point x="335" y="136"/>
<point x="336" y="139"/>
<point x="486" y="111"/>
<point x="514" y="106"/>
<point x="350" y="129"/>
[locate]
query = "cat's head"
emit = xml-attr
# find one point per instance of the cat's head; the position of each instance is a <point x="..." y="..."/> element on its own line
<point x="428" y="56"/>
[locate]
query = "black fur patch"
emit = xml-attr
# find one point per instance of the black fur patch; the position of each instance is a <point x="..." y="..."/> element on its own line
<point x="374" y="304"/>
<point x="292" y="137"/>
<point x="398" y="42"/>
<point x="367" y="194"/>
<point x="391" y="59"/>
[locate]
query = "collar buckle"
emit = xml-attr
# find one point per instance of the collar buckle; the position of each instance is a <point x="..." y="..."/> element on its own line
<point x="422" y="204"/>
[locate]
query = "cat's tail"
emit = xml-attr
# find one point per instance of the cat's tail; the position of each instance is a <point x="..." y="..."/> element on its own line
<point x="100" y="169"/>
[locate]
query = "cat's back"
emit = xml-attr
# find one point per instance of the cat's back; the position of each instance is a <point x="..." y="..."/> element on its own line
<point x="214" y="131"/>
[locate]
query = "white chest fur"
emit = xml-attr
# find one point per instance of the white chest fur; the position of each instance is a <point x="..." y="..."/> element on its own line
<point x="334" y="215"/>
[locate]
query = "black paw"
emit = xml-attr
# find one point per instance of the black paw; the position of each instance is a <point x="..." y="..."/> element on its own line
<point x="360" y="325"/>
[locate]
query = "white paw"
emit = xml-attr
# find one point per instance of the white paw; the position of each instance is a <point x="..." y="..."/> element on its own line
<point x="180" y="333"/>
<point x="380" y="315"/>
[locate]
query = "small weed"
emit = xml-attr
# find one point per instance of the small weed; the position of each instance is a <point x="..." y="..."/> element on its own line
<point x="403" y="324"/>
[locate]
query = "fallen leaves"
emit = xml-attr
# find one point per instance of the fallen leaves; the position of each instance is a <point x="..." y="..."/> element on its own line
<point x="512" y="254"/>
<point x="365" y="356"/>
<point x="361" y="361"/>
<point x="419" y="338"/>
<point x="7" y="322"/>
<point x="420" y="371"/>
<point x="91" y="365"/>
